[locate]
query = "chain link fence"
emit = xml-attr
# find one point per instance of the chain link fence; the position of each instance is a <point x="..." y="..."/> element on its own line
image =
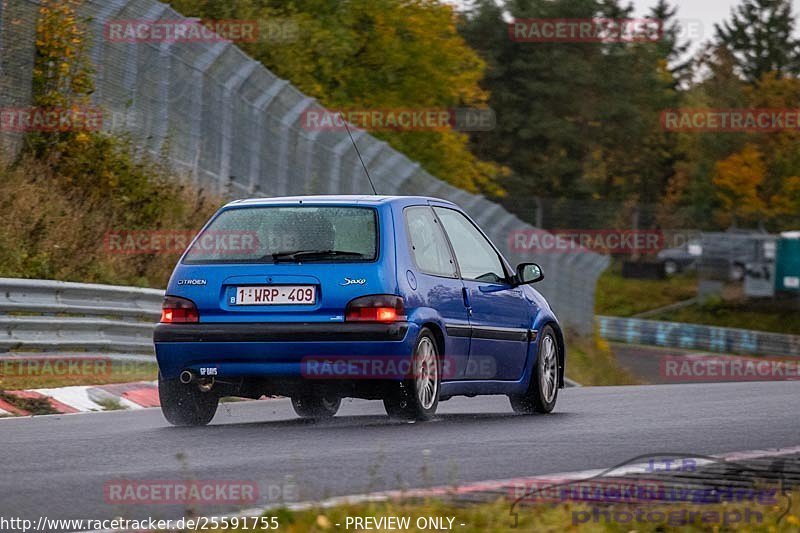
<point x="233" y="127"/>
<point x="17" y="50"/>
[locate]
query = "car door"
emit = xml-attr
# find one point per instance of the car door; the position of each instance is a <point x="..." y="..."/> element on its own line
<point x="500" y="315"/>
<point x="437" y="285"/>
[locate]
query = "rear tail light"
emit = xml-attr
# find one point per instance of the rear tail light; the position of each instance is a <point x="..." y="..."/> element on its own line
<point x="176" y="310"/>
<point x="375" y="308"/>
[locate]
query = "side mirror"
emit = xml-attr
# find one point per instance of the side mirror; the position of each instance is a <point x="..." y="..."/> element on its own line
<point x="528" y="273"/>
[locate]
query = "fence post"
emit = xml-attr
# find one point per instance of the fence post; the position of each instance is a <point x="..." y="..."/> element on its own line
<point x="287" y="121"/>
<point x="261" y="104"/>
<point x="339" y="150"/>
<point x="201" y="65"/>
<point x="368" y="155"/>
<point x="383" y="174"/>
<point x="306" y="185"/>
<point x="110" y="10"/>
<point x="410" y="169"/>
<point x="231" y="86"/>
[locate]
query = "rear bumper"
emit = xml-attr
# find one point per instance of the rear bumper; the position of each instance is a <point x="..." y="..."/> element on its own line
<point x="273" y="349"/>
<point x="280" y="332"/>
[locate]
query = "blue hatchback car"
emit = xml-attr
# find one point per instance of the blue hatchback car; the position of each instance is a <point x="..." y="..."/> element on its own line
<point x="399" y="299"/>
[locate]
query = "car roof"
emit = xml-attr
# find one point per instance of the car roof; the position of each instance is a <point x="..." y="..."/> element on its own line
<point x="337" y="199"/>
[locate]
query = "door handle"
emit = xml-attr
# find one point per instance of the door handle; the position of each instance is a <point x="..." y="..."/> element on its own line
<point x="465" y="295"/>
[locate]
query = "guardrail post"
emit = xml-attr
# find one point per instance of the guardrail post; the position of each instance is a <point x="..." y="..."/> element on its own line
<point x="231" y="86"/>
<point x="342" y="147"/>
<point x="261" y="105"/>
<point x="287" y="121"/>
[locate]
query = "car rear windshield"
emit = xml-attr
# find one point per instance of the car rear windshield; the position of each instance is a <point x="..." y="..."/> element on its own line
<point x="280" y="234"/>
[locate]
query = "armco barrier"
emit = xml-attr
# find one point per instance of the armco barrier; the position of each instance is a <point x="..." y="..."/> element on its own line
<point x="57" y="316"/>
<point x="234" y="128"/>
<point x="697" y="337"/>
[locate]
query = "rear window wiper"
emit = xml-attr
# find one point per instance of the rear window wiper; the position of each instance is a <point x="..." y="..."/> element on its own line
<point x="310" y="254"/>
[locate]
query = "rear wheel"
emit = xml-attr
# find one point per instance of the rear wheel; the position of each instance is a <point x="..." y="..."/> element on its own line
<point x="417" y="398"/>
<point x="186" y="405"/>
<point x="543" y="389"/>
<point x="316" y="406"/>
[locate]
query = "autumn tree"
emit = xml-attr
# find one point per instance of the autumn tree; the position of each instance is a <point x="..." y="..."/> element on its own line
<point x="578" y="120"/>
<point x="738" y="180"/>
<point x="377" y="54"/>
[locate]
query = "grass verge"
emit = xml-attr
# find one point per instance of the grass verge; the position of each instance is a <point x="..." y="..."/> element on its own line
<point x="58" y="208"/>
<point x="590" y="361"/>
<point x="34" y="406"/>
<point x="111" y="404"/>
<point x="618" y="296"/>
<point x="771" y="315"/>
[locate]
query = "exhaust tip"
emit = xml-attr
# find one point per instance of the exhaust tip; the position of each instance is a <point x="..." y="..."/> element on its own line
<point x="186" y="377"/>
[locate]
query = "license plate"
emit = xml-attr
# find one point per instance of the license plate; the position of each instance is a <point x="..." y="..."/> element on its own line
<point x="276" y="295"/>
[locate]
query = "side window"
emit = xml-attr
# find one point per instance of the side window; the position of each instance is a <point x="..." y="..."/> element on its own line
<point x="428" y="244"/>
<point x="476" y="257"/>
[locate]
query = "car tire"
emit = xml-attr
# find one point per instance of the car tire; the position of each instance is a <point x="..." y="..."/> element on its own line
<point x="417" y="398"/>
<point x="542" y="391"/>
<point x="185" y="404"/>
<point x="316" y="406"/>
<point x="671" y="267"/>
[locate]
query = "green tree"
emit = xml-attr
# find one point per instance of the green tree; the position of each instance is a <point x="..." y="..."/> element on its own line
<point x="544" y="95"/>
<point x="368" y="54"/>
<point x="760" y="34"/>
<point x="742" y="178"/>
<point x="691" y="196"/>
<point x="578" y="120"/>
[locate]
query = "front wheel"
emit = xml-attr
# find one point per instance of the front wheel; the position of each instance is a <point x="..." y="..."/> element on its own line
<point x="316" y="406"/>
<point x="186" y="405"/>
<point x="417" y="398"/>
<point x="543" y="389"/>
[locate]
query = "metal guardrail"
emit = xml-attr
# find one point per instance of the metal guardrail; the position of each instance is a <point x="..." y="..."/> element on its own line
<point x="697" y="337"/>
<point x="47" y="316"/>
<point x="59" y="316"/>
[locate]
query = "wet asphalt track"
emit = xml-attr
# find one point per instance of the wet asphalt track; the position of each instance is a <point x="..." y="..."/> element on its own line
<point x="58" y="465"/>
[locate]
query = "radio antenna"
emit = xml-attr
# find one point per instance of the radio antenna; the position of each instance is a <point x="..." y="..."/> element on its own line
<point x="359" y="155"/>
